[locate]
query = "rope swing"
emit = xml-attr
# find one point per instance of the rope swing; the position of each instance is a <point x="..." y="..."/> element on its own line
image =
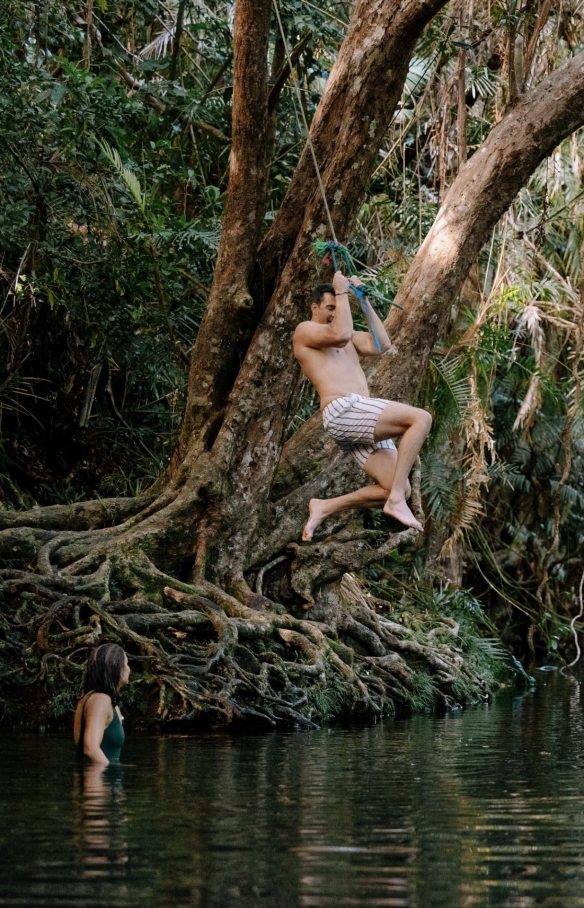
<point x="331" y="250"/>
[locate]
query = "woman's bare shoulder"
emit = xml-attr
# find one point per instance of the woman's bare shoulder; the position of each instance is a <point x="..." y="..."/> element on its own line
<point x="92" y="707"/>
<point x="98" y="704"/>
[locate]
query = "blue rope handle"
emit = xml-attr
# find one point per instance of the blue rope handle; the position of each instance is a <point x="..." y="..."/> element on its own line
<point x="334" y="258"/>
<point x="361" y="292"/>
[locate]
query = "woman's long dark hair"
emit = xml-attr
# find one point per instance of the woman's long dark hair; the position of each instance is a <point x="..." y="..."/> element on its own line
<point x="104" y="671"/>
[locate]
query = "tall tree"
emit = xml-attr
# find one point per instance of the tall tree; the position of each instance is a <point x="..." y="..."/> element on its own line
<point x="213" y="556"/>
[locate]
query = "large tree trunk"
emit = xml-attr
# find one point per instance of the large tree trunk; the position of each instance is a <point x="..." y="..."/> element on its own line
<point x="348" y="128"/>
<point x="174" y="582"/>
<point x="356" y="108"/>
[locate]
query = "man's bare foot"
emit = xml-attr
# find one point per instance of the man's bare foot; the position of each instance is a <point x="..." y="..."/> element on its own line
<point x="401" y="512"/>
<point x="316" y="515"/>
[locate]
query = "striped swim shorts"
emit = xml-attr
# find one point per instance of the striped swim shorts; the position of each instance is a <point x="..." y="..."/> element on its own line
<point x="351" y="422"/>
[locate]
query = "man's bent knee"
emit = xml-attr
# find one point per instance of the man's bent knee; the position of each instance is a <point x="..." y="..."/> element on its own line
<point x="424" y="419"/>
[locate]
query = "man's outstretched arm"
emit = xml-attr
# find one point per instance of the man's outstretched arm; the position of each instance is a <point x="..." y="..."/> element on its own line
<point x="363" y="341"/>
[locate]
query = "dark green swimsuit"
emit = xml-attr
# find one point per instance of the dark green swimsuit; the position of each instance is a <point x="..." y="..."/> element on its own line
<point x="113" y="736"/>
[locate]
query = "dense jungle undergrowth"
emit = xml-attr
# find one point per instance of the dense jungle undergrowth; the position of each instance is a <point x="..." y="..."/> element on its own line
<point x="158" y="447"/>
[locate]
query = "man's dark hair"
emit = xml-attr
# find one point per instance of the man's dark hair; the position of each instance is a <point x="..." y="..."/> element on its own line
<point x="104" y="670"/>
<point x="317" y="293"/>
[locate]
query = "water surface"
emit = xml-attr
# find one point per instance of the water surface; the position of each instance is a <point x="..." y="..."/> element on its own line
<point x="483" y="807"/>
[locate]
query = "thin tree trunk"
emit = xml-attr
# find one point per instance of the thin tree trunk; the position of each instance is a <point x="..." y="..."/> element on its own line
<point x="215" y="360"/>
<point x="443" y="148"/>
<point x="87" y="39"/>
<point x="511" y="75"/>
<point x="462" y="152"/>
<point x="178" y="30"/>
<point x="531" y="44"/>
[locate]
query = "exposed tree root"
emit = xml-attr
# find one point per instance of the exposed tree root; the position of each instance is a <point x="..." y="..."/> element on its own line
<point x="207" y="657"/>
<point x="84" y="515"/>
<point x="202" y="653"/>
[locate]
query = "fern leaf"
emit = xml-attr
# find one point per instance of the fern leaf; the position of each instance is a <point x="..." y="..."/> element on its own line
<point x="457" y="384"/>
<point x="127" y="175"/>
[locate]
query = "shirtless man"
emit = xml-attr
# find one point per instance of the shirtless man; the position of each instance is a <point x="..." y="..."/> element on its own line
<point x="328" y="351"/>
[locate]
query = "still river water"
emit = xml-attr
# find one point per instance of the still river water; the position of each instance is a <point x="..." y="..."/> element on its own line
<point x="483" y="807"/>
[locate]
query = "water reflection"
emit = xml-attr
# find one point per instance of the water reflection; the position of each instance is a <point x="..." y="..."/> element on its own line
<point x="477" y="808"/>
<point x="100" y="825"/>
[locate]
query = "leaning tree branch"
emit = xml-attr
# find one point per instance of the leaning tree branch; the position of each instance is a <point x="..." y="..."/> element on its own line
<point x="478" y="198"/>
<point x="370" y="69"/>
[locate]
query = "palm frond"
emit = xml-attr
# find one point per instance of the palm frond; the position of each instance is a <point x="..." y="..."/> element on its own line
<point x="482" y="81"/>
<point x="127" y="175"/>
<point x="159" y="46"/>
<point x="570" y="496"/>
<point x="449" y="370"/>
<point x="491" y="647"/>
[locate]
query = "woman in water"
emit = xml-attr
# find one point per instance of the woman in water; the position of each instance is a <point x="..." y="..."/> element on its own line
<point x="98" y="730"/>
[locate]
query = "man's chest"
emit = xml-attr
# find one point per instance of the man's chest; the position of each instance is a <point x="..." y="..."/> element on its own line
<point x="341" y="357"/>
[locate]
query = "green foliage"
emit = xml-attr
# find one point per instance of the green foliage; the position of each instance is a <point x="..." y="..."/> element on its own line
<point x="114" y="163"/>
<point x="127" y="175"/>
<point x="334" y="700"/>
<point x="62" y="705"/>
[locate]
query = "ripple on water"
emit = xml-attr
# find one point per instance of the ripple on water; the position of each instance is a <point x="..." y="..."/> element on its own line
<point x="483" y="807"/>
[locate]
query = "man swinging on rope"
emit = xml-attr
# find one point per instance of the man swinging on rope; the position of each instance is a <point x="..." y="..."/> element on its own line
<point x="328" y="351"/>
